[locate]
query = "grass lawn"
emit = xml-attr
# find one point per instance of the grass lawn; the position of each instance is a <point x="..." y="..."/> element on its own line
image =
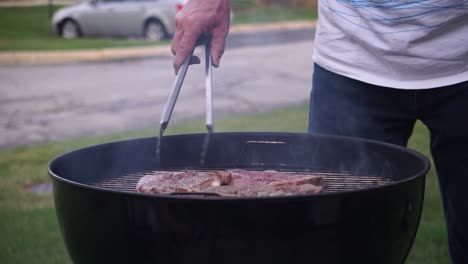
<point x="273" y="14"/>
<point x="29" y="230"/>
<point x="28" y="28"/>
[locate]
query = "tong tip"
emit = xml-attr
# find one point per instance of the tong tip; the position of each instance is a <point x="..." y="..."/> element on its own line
<point x="162" y="128"/>
<point x="209" y="127"/>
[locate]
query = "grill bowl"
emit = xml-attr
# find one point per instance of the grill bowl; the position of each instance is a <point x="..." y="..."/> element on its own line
<point x="369" y="212"/>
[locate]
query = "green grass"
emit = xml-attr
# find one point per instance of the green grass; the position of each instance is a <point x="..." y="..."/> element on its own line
<point x="30" y="233"/>
<point x="53" y="43"/>
<point x="28" y="28"/>
<point x="24" y="22"/>
<point x="430" y="245"/>
<point x="273" y="14"/>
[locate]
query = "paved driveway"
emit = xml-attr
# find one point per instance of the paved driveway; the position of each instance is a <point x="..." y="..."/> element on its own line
<point x="48" y="103"/>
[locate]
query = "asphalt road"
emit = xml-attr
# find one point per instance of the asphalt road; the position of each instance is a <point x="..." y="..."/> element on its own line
<point x="44" y="103"/>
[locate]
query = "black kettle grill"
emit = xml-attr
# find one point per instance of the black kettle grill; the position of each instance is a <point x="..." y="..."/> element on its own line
<point x="368" y="213"/>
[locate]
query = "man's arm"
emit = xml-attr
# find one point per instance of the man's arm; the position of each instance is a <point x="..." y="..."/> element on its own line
<point x="201" y="18"/>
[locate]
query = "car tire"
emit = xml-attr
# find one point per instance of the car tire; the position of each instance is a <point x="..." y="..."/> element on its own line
<point x="154" y="31"/>
<point x="70" y="30"/>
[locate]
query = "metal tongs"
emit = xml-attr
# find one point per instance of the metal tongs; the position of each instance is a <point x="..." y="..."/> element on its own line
<point x="166" y="116"/>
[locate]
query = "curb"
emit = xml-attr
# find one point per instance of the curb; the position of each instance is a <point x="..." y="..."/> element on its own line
<point x="106" y="54"/>
<point x="63" y="57"/>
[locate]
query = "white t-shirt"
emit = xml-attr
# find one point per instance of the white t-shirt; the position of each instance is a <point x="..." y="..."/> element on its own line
<point x="394" y="43"/>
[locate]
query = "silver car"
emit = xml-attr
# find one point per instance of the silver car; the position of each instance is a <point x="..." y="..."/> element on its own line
<point x="152" y="19"/>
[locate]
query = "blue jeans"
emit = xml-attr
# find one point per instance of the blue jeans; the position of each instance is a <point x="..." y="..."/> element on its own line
<point x="344" y="106"/>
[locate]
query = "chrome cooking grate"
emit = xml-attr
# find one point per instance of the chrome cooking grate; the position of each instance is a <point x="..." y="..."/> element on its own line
<point x="334" y="182"/>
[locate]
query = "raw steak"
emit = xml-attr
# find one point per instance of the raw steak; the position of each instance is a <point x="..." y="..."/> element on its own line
<point x="263" y="190"/>
<point x="166" y="182"/>
<point x="232" y="183"/>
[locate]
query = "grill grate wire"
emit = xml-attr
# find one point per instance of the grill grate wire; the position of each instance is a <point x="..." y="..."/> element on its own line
<point x="334" y="181"/>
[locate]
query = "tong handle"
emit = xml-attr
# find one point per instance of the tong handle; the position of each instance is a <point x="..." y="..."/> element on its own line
<point x="208" y="86"/>
<point x="166" y="116"/>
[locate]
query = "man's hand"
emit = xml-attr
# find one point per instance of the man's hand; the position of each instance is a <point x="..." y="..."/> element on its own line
<point x="201" y="18"/>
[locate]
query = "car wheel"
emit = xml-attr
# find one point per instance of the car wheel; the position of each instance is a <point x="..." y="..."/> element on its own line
<point x="154" y="30"/>
<point x="70" y="30"/>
